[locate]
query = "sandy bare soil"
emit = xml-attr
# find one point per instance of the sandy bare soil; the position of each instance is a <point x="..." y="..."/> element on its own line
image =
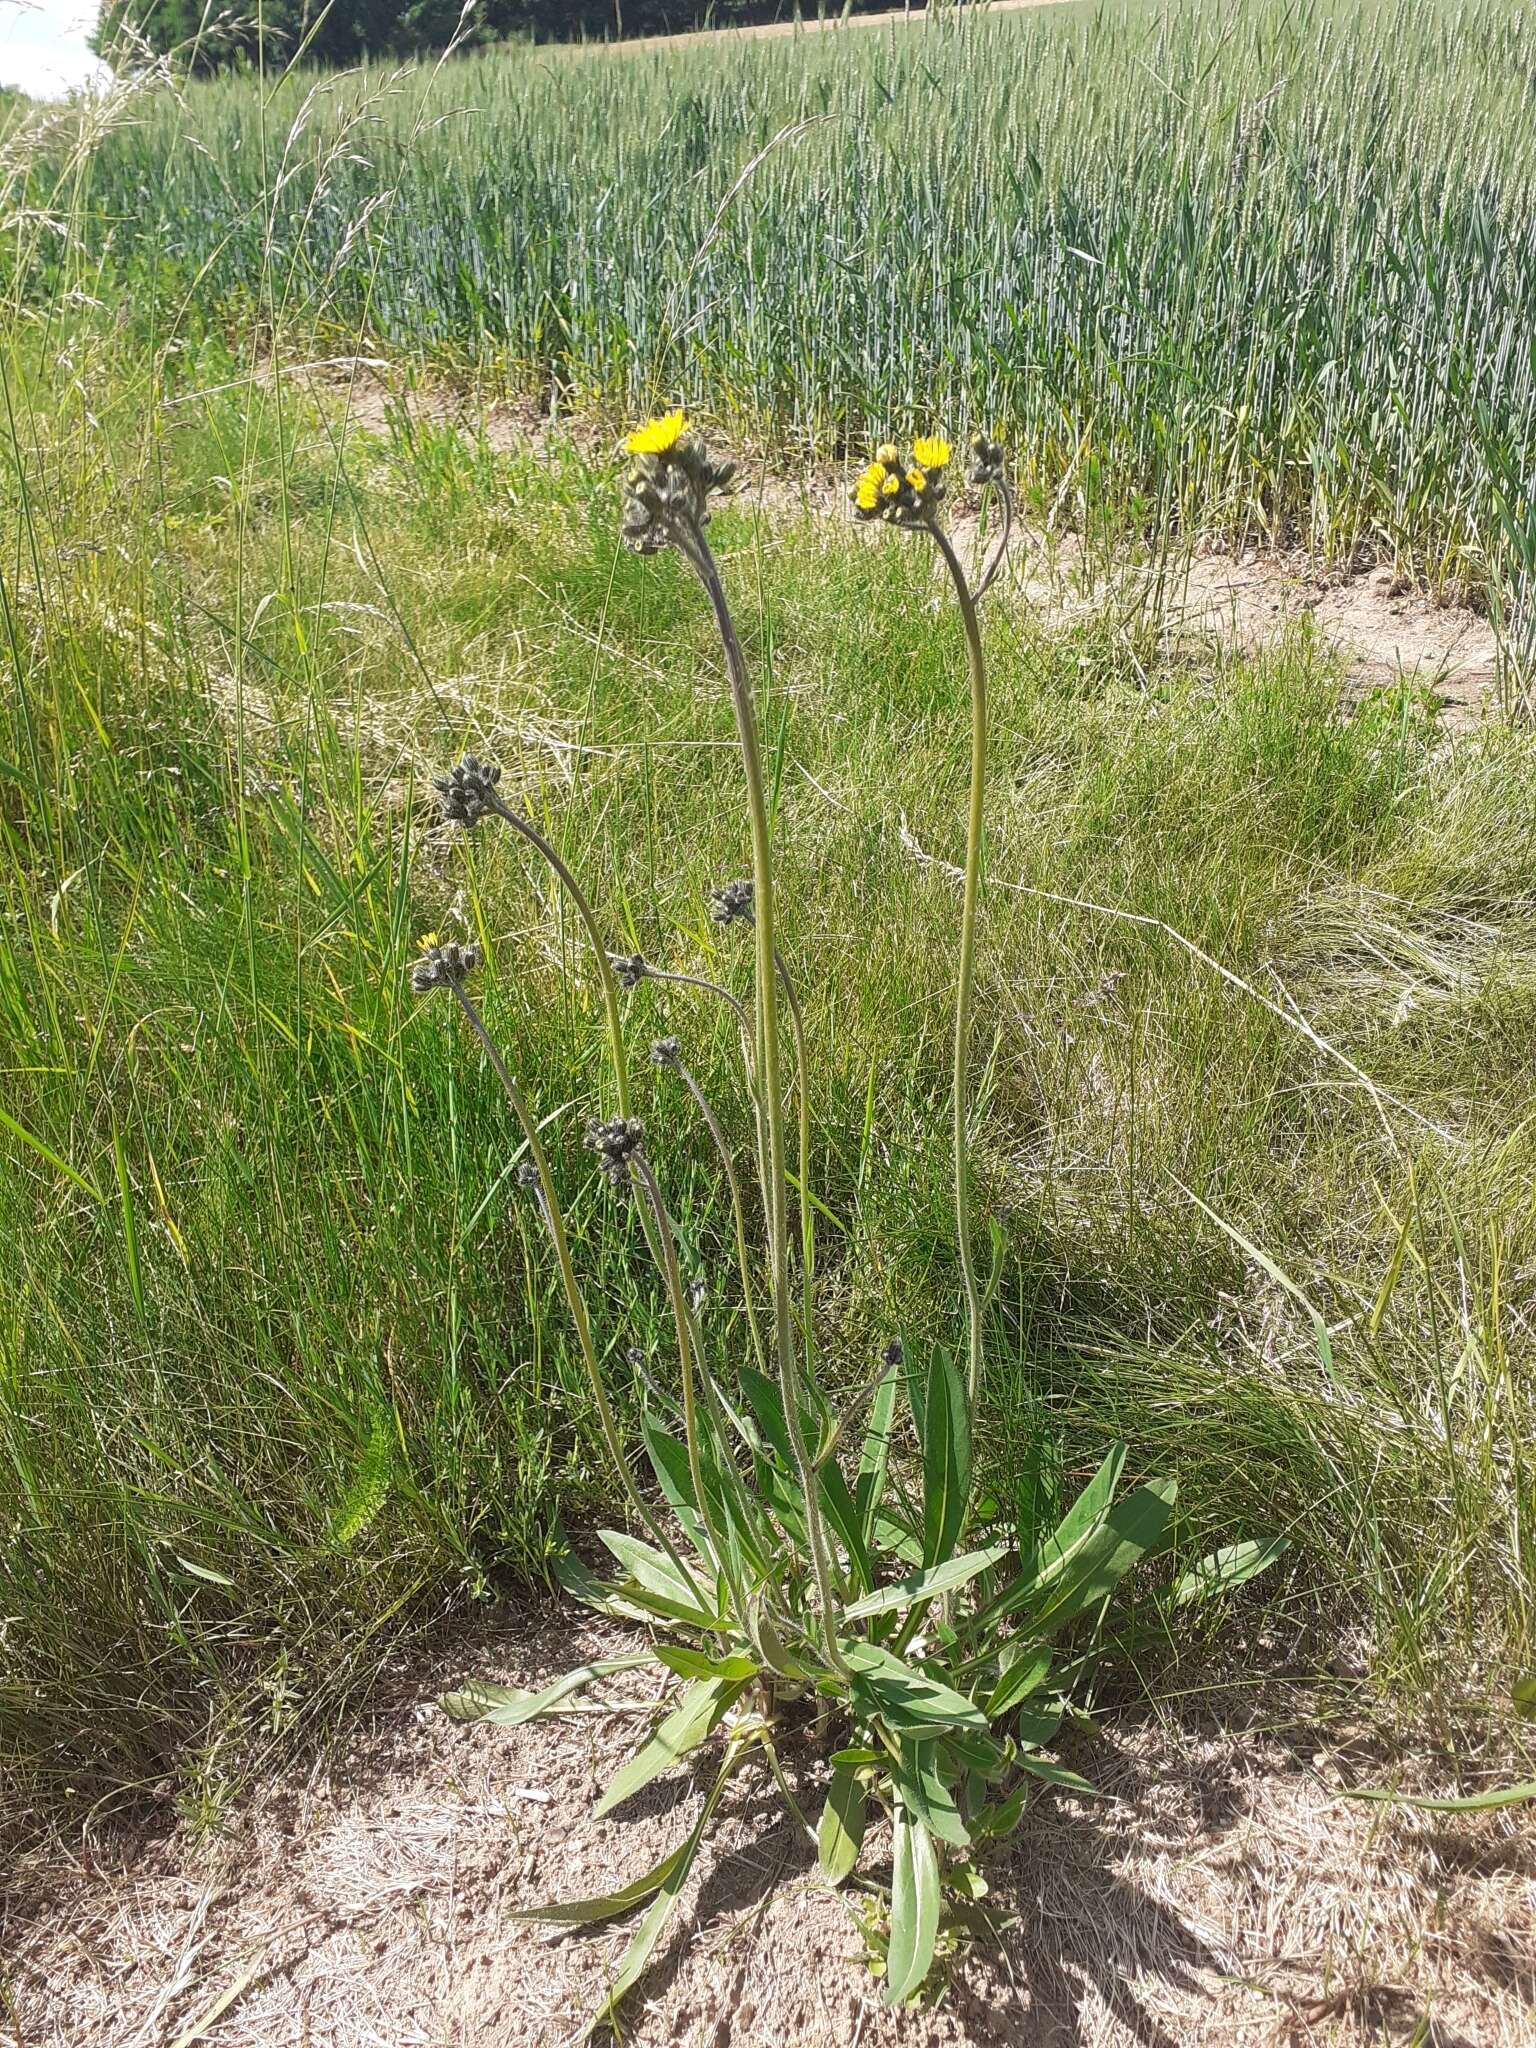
<point x="1226" y="1894"/>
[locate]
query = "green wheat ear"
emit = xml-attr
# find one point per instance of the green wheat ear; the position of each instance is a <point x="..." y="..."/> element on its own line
<point x="364" y="1499"/>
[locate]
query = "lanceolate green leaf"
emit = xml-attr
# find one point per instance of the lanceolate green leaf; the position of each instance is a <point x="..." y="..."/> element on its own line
<point x="669" y="1461"/>
<point x="928" y="1794"/>
<point x="694" y="1664"/>
<point x="657" y="1574"/>
<point x="698" y="1713"/>
<point x="583" y="1585"/>
<point x="1226" y="1568"/>
<point x="508" y="1706"/>
<point x="1133" y="1529"/>
<point x="927" y="1585"/>
<point x="1475" y="1802"/>
<point x="1058" y="1774"/>
<point x="650" y="1930"/>
<point x="1025" y="1675"/>
<point x="1089" y="1567"/>
<point x="906" y="1699"/>
<point x="841" y="1831"/>
<point x="604" y="1905"/>
<point x="870" y="1483"/>
<point x="1055" y="1554"/>
<point x="946" y="1446"/>
<point x="914" y="1907"/>
<point x="837" y="1502"/>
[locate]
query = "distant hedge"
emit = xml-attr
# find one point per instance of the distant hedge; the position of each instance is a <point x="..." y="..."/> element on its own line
<point x="358" y="28"/>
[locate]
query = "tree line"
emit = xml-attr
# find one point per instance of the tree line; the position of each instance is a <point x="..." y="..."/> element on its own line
<point x="211" y="37"/>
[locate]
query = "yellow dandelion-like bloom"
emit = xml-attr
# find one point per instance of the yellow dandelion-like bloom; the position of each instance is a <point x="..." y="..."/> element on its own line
<point x="658" y="436"/>
<point x="891" y="485"/>
<point x="867" y="496"/>
<point x="917" y="480"/>
<point x="888" y="455"/>
<point x="931" y="450"/>
<point x="428" y="940"/>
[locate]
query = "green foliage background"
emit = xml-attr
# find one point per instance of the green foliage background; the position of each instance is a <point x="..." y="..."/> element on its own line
<point x="350" y="29"/>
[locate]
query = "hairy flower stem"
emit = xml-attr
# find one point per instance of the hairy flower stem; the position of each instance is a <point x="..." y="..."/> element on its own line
<point x="573" y="889"/>
<point x="640" y="1166"/>
<point x="803" y="1103"/>
<point x="749" y="1068"/>
<point x="999" y="549"/>
<point x="554" y="1223"/>
<point x="697" y="552"/>
<point x="966" y="972"/>
<point x="738" y="1209"/>
<point x="713" y="988"/>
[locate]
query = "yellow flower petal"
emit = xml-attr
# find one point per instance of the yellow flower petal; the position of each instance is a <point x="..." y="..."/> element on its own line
<point x="931" y="451"/>
<point x="867" y="496"/>
<point x="891" y="486"/>
<point x="660" y="435"/>
<point x="917" y="480"/>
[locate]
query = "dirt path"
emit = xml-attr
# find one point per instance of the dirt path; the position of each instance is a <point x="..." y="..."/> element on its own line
<point x="896" y="18"/>
<point x="1223" y="1894"/>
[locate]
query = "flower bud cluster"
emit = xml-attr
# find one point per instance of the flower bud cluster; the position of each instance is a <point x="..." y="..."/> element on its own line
<point x="442" y="966"/>
<point x="986" y="463"/>
<point x="903" y="489"/>
<point x="468" y="791"/>
<point x="668" y="485"/>
<point x="616" y="1145"/>
<point x="732" y="903"/>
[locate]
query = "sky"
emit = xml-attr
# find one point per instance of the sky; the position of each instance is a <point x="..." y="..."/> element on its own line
<point x="42" y="45"/>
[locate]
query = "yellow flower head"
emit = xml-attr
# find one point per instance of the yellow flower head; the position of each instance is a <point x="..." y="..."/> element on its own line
<point x="931" y="451"/>
<point x="917" y="480"/>
<point x="891" y="485"/>
<point x="658" y="436"/>
<point x="867" y="494"/>
<point x="428" y="940"/>
<point x="888" y="455"/>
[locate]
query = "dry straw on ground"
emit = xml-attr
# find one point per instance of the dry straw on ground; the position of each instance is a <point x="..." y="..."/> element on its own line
<point x="1226" y="1895"/>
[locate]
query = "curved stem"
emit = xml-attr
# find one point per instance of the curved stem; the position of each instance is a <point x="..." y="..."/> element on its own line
<point x="696" y="551"/>
<point x="749" y="1070"/>
<point x="573" y="888"/>
<point x="554" y="1223"/>
<point x="966" y="971"/>
<point x="738" y="1209"/>
<point x="700" y="981"/>
<point x="999" y="552"/>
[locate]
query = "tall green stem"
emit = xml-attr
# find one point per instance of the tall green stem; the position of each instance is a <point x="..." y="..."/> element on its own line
<point x="573" y="889"/>
<point x="697" y="553"/>
<point x="966" y="972"/>
<point x="554" y="1223"/>
<point x="691" y="1367"/>
<point x="738" y="1209"/>
<point x="803" y="1106"/>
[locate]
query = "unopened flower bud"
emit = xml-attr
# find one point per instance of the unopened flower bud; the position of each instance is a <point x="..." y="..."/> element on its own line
<point x="467" y="791"/>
